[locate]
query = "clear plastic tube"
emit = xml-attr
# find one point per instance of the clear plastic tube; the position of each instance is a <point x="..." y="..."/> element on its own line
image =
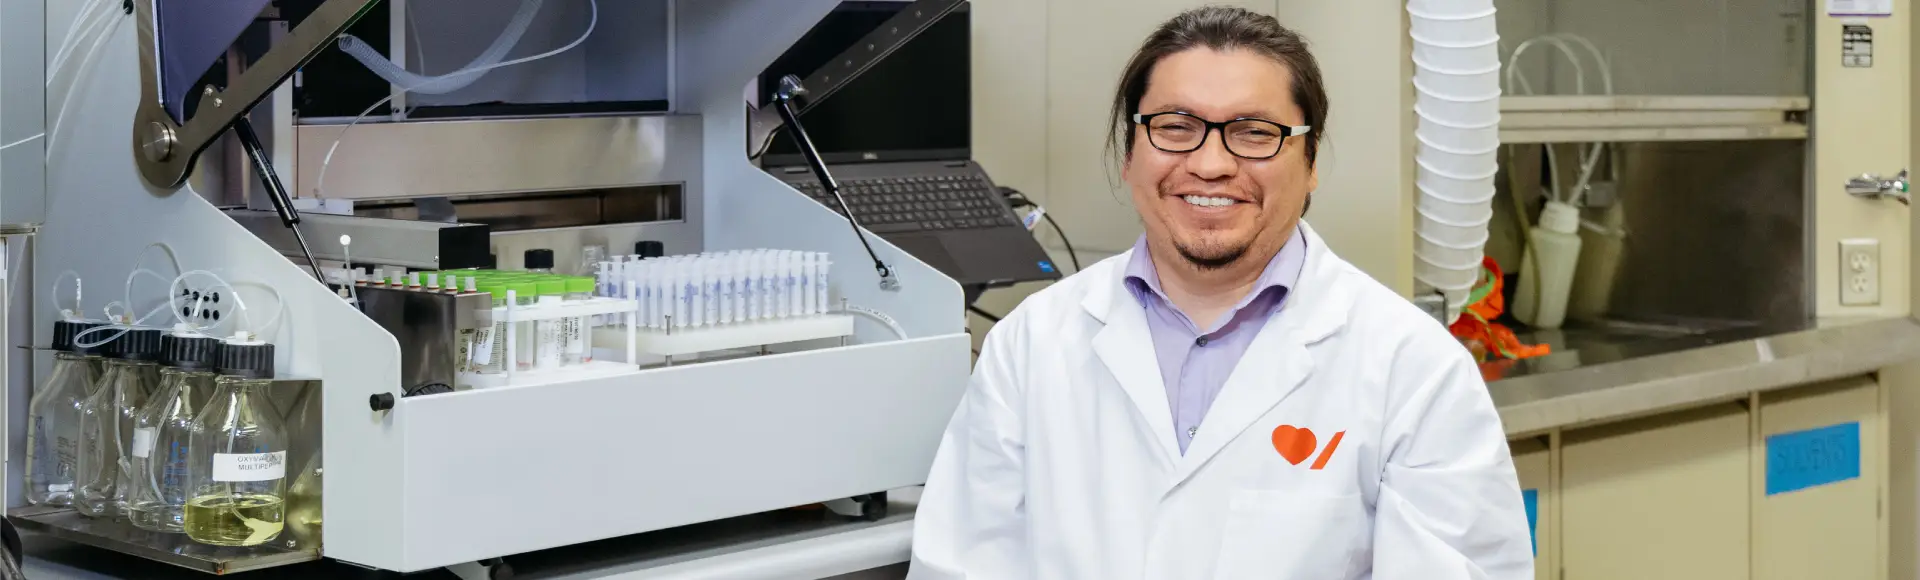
<point x="86" y="63"/>
<point x="320" y="183"/>
<point x="450" y="82"/>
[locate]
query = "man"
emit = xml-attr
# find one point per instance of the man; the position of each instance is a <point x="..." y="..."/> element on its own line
<point x="1229" y="399"/>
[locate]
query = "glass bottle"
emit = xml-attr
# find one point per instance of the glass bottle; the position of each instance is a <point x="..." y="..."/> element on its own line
<point x="106" y="422"/>
<point x="237" y="454"/>
<point x="53" y="419"/>
<point x="161" y="433"/>
<point x="537" y="261"/>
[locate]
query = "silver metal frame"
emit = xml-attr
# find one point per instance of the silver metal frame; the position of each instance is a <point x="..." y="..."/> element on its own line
<point x="165" y="151"/>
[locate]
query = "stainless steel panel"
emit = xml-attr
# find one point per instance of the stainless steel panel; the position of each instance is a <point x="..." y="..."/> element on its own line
<point x="411" y="243"/>
<point x="429" y="327"/>
<point x="1714" y="230"/>
<point x="450" y="158"/>
<point x="298" y="402"/>
<point x="514" y="212"/>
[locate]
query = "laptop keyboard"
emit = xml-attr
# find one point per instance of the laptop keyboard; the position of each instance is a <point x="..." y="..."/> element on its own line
<point x="892" y="205"/>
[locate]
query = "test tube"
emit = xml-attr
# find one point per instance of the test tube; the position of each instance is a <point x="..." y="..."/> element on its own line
<point x="577" y="345"/>
<point x="549" y="334"/>
<point x="697" y="289"/>
<point x="821" y="264"/>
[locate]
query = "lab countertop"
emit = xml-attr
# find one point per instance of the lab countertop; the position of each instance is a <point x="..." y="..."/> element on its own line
<point x="791" y="544"/>
<point x="1603" y="374"/>
<point x="1595" y="375"/>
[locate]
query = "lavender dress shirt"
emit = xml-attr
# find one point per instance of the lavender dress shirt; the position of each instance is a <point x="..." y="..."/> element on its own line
<point x="1194" y="365"/>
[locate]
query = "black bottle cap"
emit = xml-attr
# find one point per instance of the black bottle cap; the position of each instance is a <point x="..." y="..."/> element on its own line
<point x="539" y="259"/>
<point x="189" y="353"/>
<point x="253" y="361"/>
<point x="136" y="344"/>
<point x="649" y="249"/>
<point x="65" y="330"/>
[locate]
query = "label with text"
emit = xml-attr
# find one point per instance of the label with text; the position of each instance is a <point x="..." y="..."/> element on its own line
<point x="1812" y="458"/>
<point x="242" y="467"/>
<point x="142" y="442"/>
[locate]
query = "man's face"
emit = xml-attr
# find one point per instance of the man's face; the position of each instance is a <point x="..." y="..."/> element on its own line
<point x="1208" y="204"/>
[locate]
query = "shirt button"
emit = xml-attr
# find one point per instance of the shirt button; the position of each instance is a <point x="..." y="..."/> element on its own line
<point x="1192" y="430"/>
<point x="1202" y="341"/>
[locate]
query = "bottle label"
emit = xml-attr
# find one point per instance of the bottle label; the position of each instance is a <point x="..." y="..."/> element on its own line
<point x="59" y="487"/>
<point x="241" y="467"/>
<point x="575" y="339"/>
<point x="483" y="352"/>
<point x="142" y="442"/>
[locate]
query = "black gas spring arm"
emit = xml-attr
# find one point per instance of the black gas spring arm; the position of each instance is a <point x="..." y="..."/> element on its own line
<point x="783" y="101"/>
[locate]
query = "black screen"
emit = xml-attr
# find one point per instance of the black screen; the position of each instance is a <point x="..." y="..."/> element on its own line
<point x="915" y="104"/>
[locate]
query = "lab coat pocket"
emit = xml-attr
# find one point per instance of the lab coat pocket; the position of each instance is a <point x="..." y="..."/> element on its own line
<point x="1287" y="534"/>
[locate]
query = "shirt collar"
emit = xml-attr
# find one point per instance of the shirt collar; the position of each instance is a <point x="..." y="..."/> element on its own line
<point x="1282" y="272"/>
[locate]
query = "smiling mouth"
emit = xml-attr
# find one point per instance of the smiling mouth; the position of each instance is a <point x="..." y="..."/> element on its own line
<point x="1208" y="201"/>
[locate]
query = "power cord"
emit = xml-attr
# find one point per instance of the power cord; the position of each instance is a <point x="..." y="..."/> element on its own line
<point x="1019" y="200"/>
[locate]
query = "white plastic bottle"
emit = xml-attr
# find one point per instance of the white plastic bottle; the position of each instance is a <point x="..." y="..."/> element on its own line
<point x="1546" y="270"/>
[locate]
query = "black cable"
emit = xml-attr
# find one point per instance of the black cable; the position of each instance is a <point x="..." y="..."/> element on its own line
<point x="1018" y="199"/>
<point x="977" y="311"/>
<point x="1072" y="255"/>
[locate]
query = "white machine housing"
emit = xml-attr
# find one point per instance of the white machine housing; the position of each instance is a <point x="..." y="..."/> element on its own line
<point x="453" y="478"/>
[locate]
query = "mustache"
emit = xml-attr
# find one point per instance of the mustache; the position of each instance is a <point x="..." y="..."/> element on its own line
<point x="1172" y="186"/>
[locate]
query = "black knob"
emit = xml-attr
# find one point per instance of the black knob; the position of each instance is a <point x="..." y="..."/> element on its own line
<point x="381" y="401"/>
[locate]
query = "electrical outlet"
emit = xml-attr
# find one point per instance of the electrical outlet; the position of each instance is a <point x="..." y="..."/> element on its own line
<point x="1859" y="272"/>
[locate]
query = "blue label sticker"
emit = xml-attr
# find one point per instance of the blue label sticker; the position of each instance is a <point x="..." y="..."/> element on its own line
<point x="1531" y="498"/>
<point x="1046" y="266"/>
<point x="1812" y="458"/>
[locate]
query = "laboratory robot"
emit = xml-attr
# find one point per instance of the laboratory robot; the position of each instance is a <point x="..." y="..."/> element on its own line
<point x="231" y="171"/>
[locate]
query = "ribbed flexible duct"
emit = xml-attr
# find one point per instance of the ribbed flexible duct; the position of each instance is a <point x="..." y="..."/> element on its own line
<point x="1456" y="79"/>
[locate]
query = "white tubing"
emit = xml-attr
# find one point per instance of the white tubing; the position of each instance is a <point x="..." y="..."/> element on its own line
<point x="593" y="21"/>
<point x="450" y="82"/>
<point x="1457" y="104"/>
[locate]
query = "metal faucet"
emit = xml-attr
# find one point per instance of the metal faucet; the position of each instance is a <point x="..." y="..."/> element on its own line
<point x="1872" y="186"/>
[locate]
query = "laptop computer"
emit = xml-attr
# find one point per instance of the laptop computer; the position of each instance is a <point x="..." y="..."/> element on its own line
<point x="898" y="140"/>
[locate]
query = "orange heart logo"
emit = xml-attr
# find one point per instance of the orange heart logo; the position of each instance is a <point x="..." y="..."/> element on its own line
<point x="1295" y="444"/>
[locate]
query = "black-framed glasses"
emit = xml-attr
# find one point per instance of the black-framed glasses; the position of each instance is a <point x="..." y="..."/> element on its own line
<point x="1246" y="137"/>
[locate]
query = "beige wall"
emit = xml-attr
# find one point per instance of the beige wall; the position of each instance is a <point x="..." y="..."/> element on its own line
<point x="1044" y="75"/>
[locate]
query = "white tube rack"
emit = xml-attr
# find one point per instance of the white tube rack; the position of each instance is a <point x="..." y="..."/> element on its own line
<point x="513" y="313"/>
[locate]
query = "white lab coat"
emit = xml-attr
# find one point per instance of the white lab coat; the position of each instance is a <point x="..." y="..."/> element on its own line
<point x="1061" y="463"/>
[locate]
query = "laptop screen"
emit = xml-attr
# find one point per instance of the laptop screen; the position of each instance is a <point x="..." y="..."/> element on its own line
<point x="914" y="105"/>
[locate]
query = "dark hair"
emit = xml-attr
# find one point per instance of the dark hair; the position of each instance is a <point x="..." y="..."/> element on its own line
<point x="1222" y="28"/>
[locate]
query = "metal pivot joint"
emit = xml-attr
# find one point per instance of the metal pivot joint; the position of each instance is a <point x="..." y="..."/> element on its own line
<point x="783" y="98"/>
<point x="1872" y="186"/>
<point x="164" y="149"/>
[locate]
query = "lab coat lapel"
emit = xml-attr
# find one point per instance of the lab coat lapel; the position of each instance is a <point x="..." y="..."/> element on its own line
<point x="1125" y="347"/>
<point x="1278" y="362"/>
